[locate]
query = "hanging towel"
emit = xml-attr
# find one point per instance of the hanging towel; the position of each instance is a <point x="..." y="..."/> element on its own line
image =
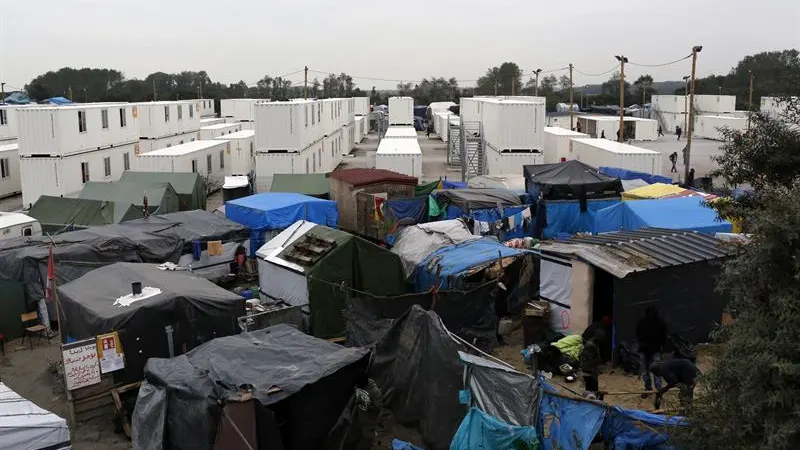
<point x="215" y="248"/>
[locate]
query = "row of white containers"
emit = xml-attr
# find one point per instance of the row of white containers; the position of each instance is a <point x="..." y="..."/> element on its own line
<point x="295" y="125"/>
<point x="10" y="182"/>
<point x="163" y="119"/>
<point x="607" y="127"/>
<point x="206" y="157"/>
<point x="239" y="109"/>
<point x="399" y="151"/>
<point x="401" y="111"/>
<point x="361" y="106"/>
<point x="715" y="104"/>
<point x="558" y="144"/>
<point x="607" y="153"/>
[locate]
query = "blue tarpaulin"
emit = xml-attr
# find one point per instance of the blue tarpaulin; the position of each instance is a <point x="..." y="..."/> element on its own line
<point x="447" y="184"/>
<point x="626" y="429"/>
<point x="407" y="211"/>
<point x="456" y="260"/>
<point x="278" y="210"/>
<point x="683" y="213"/>
<point x="482" y="431"/>
<point x="625" y="174"/>
<point x="568" y="424"/>
<point x="566" y="216"/>
<point x="397" y="444"/>
<point x="492" y="215"/>
<point x="57" y="101"/>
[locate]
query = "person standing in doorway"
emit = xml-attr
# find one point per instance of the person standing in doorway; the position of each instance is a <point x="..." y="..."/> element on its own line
<point x="676" y="372"/>
<point x="678" y="131"/>
<point x="660" y="131"/>
<point x="578" y="127"/>
<point x="590" y="362"/>
<point x="673" y="158"/>
<point x="651" y="333"/>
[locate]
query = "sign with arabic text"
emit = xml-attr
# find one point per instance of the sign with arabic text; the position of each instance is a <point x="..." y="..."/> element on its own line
<point x="81" y="367"/>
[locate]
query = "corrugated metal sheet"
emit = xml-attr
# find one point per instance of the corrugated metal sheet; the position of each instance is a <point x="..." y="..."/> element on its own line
<point x="625" y="252"/>
<point x="364" y="177"/>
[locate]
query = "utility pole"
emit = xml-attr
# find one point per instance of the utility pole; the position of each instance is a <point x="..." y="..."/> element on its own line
<point x="536" y="88"/>
<point x="495" y="87"/>
<point x="644" y="93"/>
<point x="686" y="104"/>
<point x="622" y="60"/>
<point x="750" y="99"/>
<point x="3" y="92"/>
<point x="305" y="84"/>
<point x="513" y="83"/>
<point x="571" y="125"/>
<point x="695" y="50"/>
<point x="155" y="94"/>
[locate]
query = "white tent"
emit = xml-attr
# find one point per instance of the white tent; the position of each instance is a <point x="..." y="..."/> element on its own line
<point x="25" y="426"/>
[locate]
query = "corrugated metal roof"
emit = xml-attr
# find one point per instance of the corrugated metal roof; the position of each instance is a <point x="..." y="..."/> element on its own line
<point x="364" y="177"/>
<point x="624" y="252"/>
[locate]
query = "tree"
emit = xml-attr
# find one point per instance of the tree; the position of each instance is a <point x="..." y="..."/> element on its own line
<point x="643" y="86"/>
<point x="563" y="83"/>
<point x="503" y="80"/>
<point x="750" y="397"/>
<point x="404" y="88"/>
<point x="610" y="90"/>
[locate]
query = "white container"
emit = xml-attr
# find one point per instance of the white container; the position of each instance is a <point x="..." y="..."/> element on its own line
<point x="359" y="122"/>
<point x="401" y="155"/>
<point x="240" y="159"/>
<point x="10" y="183"/>
<point x="240" y="109"/>
<point x="219" y="130"/>
<point x="440" y="107"/>
<point x="65" y="176"/>
<point x="314" y="159"/>
<point x="606" y="153"/>
<point x="73" y="129"/>
<point x="329" y="154"/>
<point x="148" y="145"/>
<point x="162" y="119"/>
<point x="205" y="107"/>
<point x="208" y="121"/>
<point x="708" y="126"/>
<point x="715" y="104"/>
<point x="669" y="103"/>
<point x="508" y="163"/>
<point x="401" y="111"/>
<point x="645" y="129"/>
<point x="17" y="224"/>
<point x="558" y="144"/>
<point x="511" y="125"/>
<point x="361" y="106"/>
<point x="293" y="126"/>
<point x="207" y="158"/>
<point x="394" y="132"/>
<point x="470" y="108"/>
<point x="8" y="122"/>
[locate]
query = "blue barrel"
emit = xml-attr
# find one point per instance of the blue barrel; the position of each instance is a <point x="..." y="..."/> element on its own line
<point x="196" y="250"/>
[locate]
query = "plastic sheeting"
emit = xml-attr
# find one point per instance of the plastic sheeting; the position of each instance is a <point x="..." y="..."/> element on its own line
<point x="568" y="423"/>
<point x="570" y="180"/>
<point x="215" y="267"/>
<point x="406" y="211"/>
<point x="625" y="174"/>
<point x="555" y="287"/>
<point x="24" y="425"/>
<point x="190" y="226"/>
<point x="278" y="210"/>
<point x="626" y="429"/>
<point x="415" y="243"/>
<point x="566" y="216"/>
<point x="480" y="430"/>
<point x="685" y="213"/>
<point x="469" y="199"/>
<point x="655" y="190"/>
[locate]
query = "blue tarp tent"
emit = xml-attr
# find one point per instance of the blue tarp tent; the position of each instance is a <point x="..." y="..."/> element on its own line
<point x="683" y="213"/>
<point x="566" y="216"/>
<point x="626" y="429"/>
<point x="57" y="101"/>
<point x="457" y="261"/>
<point x="625" y="174"/>
<point x="480" y="430"/>
<point x="278" y="210"/>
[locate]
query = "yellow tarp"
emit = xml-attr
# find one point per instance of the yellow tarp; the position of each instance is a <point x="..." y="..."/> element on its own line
<point x="655" y="190"/>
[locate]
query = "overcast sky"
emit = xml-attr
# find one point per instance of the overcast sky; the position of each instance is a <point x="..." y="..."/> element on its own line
<point x="408" y="40"/>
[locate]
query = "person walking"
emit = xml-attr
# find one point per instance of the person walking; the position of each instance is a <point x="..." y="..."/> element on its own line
<point x="690" y="179"/>
<point x="590" y="362"/>
<point x="660" y="131"/>
<point x="651" y="334"/>
<point x="676" y="372"/>
<point x="602" y="134"/>
<point x="428" y="131"/>
<point x="678" y="131"/>
<point x="578" y="127"/>
<point x="673" y="158"/>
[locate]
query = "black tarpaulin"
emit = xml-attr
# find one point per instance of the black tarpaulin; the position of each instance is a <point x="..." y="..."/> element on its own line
<point x="301" y="385"/>
<point x="191" y="225"/>
<point x="471" y="199"/>
<point x="570" y="180"/>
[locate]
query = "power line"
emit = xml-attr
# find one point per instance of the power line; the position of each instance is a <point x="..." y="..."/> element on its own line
<point x="595" y="74"/>
<point x="662" y="65"/>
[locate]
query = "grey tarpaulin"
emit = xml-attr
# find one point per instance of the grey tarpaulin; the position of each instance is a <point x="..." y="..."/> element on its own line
<point x="469" y="199"/>
<point x="216" y="267"/>
<point x="502" y="392"/>
<point x="191" y="225"/>
<point x="416" y="366"/>
<point x="416" y="242"/>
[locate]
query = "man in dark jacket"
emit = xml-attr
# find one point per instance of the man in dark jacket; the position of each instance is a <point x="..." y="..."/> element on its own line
<point x="651" y="333"/>
<point x="591" y="360"/>
<point x="676" y="372"/>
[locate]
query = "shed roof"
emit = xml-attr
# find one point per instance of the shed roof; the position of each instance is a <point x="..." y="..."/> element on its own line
<point x="364" y="177"/>
<point x="625" y="252"/>
<point x="314" y="184"/>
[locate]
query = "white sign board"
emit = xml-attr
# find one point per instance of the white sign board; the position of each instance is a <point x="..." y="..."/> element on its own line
<point x="81" y="367"/>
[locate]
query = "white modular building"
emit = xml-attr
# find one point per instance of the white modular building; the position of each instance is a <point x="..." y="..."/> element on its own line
<point x="8" y="123"/>
<point x="400" y="132"/>
<point x="558" y="144"/>
<point x="312" y="159"/>
<point x="219" y="130"/>
<point x="239" y="109"/>
<point x="636" y="128"/>
<point x="242" y="152"/>
<point x="709" y="126"/>
<point x="401" y="155"/>
<point x="360" y="124"/>
<point x="704" y="104"/>
<point x="208" y="121"/>
<point x="771" y="106"/>
<point x="68" y="130"/>
<point x="10" y="182"/>
<point x="208" y="158"/>
<point x="360" y="106"/>
<point x="163" y="119"/>
<point x="148" y="145"/>
<point x="511" y="162"/>
<point x="401" y="111"/>
<point x="514" y="125"/>
<point x="64" y="176"/>
<point x="562" y="120"/>
<point x="294" y="126"/>
<point x="329" y="155"/>
<point x="607" y="153"/>
<point x="205" y="107"/>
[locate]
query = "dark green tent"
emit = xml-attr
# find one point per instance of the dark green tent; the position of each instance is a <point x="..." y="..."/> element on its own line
<point x="313" y="184"/>
<point x="188" y="185"/>
<point x="56" y="213"/>
<point x="161" y="197"/>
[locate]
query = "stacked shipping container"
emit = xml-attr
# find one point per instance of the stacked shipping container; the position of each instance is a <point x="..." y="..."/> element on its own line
<point x="10" y="183"/>
<point x="401" y="111"/>
<point x="219" y="130"/>
<point x="558" y="144"/>
<point x="241" y="152"/>
<point x="207" y="158"/>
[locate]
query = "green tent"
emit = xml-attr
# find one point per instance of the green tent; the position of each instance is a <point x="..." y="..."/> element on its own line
<point x="189" y="186"/>
<point x="56" y="213"/>
<point x="313" y="184"/>
<point x="329" y="259"/>
<point x="161" y="197"/>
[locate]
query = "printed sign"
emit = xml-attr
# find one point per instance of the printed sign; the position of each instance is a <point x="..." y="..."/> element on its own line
<point x="109" y="351"/>
<point x="81" y="367"/>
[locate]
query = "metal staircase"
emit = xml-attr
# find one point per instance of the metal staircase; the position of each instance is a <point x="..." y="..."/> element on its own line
<point x="453" y="144"/>
<point x="473" y="150"/>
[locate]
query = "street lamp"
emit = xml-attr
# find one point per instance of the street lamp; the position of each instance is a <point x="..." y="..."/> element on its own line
<point x="622" y="60"/>
<point x="695" y="50"/>
<point x="536" y="89"/>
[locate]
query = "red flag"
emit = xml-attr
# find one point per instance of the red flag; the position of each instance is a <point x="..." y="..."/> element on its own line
<point x="51" y="276"/>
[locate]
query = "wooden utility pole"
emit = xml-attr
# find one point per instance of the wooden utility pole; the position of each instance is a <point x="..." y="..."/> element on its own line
<point x="536" y="88"/>
<point x="571" y="119"/>
<point x="695" y="50"/>
<point x="750" y="99"/>
<point x="621" y="134"/>
<point x="305" y="83"/>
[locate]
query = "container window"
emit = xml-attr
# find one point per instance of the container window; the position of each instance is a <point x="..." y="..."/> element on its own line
<point x="251" y="149"/>
<point x="81" y="121"/>
<point x="123" y="118"/>
<point x="194" y="165"/>
<point x="319" y="113"/>
<point x="104" y="118"/>
<point x="180" y="112"/>
<point x="3" y="117"/>
<point x="84" y="172"/>
<point x="222" y="159"/>
<point x="126" y="161"/>
<point x="166" y="113"/>
<point x="169" y="145"/>
<point x="5" y="169"/>
<point x="306" y="109"/>
<point x="27" y="231"/>
<point x="181" y="142"/>
<point x="191" y="112"/>
<point x="314" y="163"/>
<point x="107" y="166"/>
<point x="209" y="164"/>
<point x="313" y="116"/>
<point x="307" y="165"/>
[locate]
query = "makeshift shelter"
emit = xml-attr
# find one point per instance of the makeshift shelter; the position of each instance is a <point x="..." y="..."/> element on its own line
<point x="102" y="301"/>
<point x="495" y="212"/>
<point x="513" y="183"/>
<point x="57" y="214"/>
<point x="683" y="213"/>
<point x="189" y="186"/>
<point x="276" y="388"/>
<point x="626" y="174"/>
<point x="621" y="274"/>
<point x="191" y="226"/>
<point x="360" y="194"/>
<point x="652" y="191"/>
<point x="415" y="243"/>
<point x="629" y="185"/>
<point x="24" y="425"/>
<point x="278" y="210"/>
<point x="442" y="183"/>
<point x="161" y="197"/>
<point x="315" y="267"/>
<point x="312" y="184"/>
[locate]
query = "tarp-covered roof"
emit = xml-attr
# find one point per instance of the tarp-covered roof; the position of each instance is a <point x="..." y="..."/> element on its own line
<point x="364" y="177"/>
<point x="276" y="363"/>
<point x="59" y="211"/>
<point x="313" y="184"/>
<point x="416" y="242"/>
<point x="161" y="197"/>
<point x="471" y="199"/>
<point x="512" y="182"/>
<point x="626" y="174"/>
<point x="628" y="185"/>
<point x="24" y="425"/>
<point x="191" y="225"/>
<point x="570" y="180"/>
<point x="278" y="210"/>
<point x="188" y="185"/>
<point x="655" y="190"/>
<point x="683" y="213"/>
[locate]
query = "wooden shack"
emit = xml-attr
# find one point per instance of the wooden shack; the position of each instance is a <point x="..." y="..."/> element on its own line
<point x="357" y="191"/>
